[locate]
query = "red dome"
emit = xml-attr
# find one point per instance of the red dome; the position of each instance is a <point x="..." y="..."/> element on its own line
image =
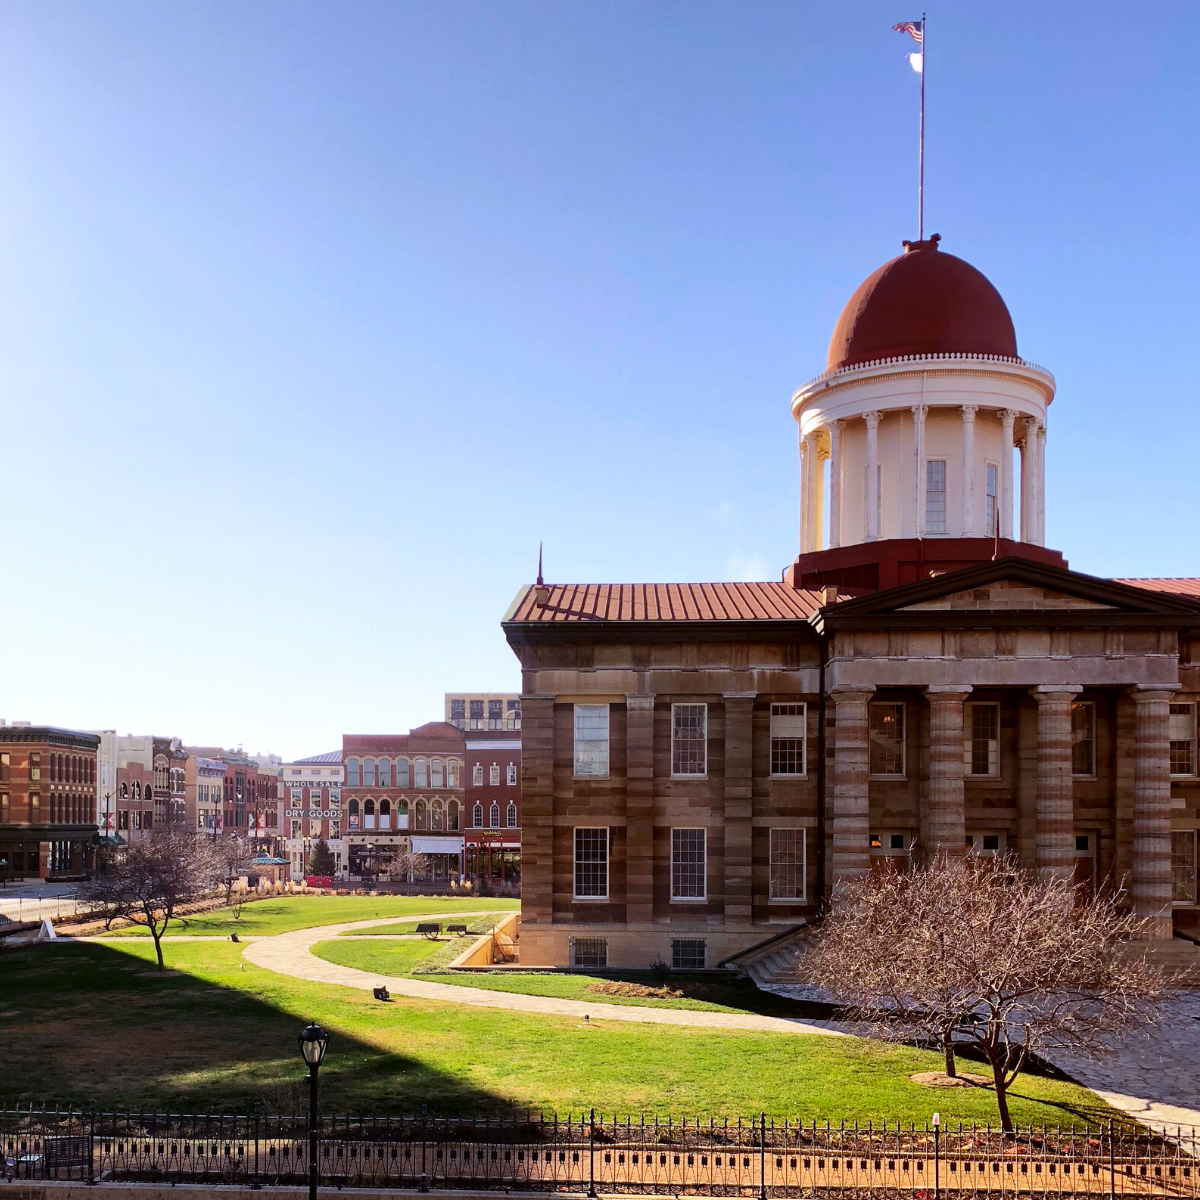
<point x="924" y="302"/>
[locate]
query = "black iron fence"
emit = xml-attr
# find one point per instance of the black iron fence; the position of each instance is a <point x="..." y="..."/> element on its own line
<point x="595" y="1154"/>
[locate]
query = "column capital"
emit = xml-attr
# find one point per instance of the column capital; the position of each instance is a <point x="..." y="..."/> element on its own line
<point x="919" y="411"/>
<point x="872" y="418"/>
<point x="947" y="692"/>
<point x="1148" y="693"/>
<point x="850" y="694"/>
<point x="1008" y="416"/>
<point x="969" y="411"/>
<point x="837" y="424"/>
<point x="639" y="699"/>
<point x="1032" y="425"/>
<point x="1055" y="691"/>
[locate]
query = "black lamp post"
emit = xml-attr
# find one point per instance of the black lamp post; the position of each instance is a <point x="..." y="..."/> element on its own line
<point x="313" y="1043"/>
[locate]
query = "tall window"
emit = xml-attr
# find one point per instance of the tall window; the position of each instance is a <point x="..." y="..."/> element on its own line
<point x="421" y="815"/>
<point x="591" y="741"/>
<point x="494" y="817"/>
<point x="512" y="816"/>
<point x="421" y="773"/>
<point x="512" y="774"/>
<point x="436" y="777"/>
<point x="991" y="512"/>
<point x="935" y="496"/>
<point x="458" y="713"/>
<point x="787" y="864"/>
<point x="1083" y="738"/>
<point x="402" y="772"/>
<point x="436" y="812"/>
<point x="886" y="738"/>
<point x="494" y="775"/>
<point x="495" y="714"/>
<point x="1183" y="739"/>
<point x="452" y="816"/>
<point x="452" y="772"/>
<point x="477" y="816"/>
<point x="368" y="772"/>
<point x="788" y="734"/>
<point x="981" y="754"/>
<point x="689" y="739"/>
<point x="385" y="772"/>
<point x="477" y="774"/>
<point x="687" y="864"/>
<point x="1183" y="866"/>
<point x="591" y="864"/>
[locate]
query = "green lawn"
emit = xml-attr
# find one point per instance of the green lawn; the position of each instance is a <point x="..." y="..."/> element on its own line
<point x="385" y="956"/>
<point x="95" y="1020"/>
<point x="474" y="924"/>
<point x="282" y="913"/>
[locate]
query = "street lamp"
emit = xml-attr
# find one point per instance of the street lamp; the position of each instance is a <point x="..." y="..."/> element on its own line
<point x="313" y="1043"/>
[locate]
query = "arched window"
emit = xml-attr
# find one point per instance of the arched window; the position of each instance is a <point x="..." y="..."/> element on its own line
<point x="477" y="774"/>
<point x="452" y="816"/>
<point x="402" y="772"/>
<point x="352" y="776"/>
<point x="402" y="808"/>
<point x="438" y="778"/>
<point x="452" y="773"/>
<point x="420" y="773"/>
<point x="477" y="816"/>
<point x="137" y="790"/>
<point x="385" y="814"/>
<point x="385" y="772"/>
<point x="353" y="808"/>
<point x="124" y="791"/>
<point x="369" y="808"/>
<point x="422" y="816"/>
<point x="512" y="816"/>
<point x="149" y="792"/>
<point x="368" y="772"/>
<point x="494" y="817"/>
<point x="494" y="775"/>
<point x="368" y="814"/>
<point x="437" y="814"/>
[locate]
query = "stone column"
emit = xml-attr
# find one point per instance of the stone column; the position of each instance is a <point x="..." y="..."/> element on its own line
<point x="872" y="524"/>
<point x="1152" y="810"/>
<point x="1007" y="418"/>
<point x="1029" y="482"/>
<point x="739" y="805"/>
<point x="537" y="809"/>
<point x="805" y="469"/>
<point x="851" y="807"/>
<point x="918" y="412"/>
<point x="1041" y="485"/>
<point x="945" y="807"/>
<point x="1055" y="798"/>
<point x="835" y="483"/>
<point x="816" y="491"/>
<point x="639" y="808"/>
<point x="968" y="470"/>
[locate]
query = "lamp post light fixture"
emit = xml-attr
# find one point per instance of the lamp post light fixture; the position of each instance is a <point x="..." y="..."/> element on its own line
<point x="314" y="1041"/>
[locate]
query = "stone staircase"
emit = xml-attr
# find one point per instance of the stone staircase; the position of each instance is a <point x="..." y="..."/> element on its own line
<point x="771" y="963"/>
<point x="1180" y="956"/>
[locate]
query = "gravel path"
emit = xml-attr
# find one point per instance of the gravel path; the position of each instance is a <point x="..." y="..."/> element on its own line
<point x="291" y="954"/>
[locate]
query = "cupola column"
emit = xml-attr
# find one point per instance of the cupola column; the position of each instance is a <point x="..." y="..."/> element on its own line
<point x="835" y="483"/>
<point x="1041" y="484"/>
<point x="968" y="470"/>
<point x="1007" y="419"/>
<point x="805" y="471"/>
<point x="814" y="492"/>
<point x="873" y="507"/>
<point x="918" y="412"/>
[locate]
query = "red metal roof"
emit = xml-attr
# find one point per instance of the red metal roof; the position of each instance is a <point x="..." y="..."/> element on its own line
<point x="595" y="602"/>
<point x="1174" y="587"/>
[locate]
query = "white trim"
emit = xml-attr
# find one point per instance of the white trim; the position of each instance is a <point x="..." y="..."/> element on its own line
<point x="689" y="774"/>
<point x="803" y="897"/>
<point x="703" y="898"/>
<point x="575" y="862"/>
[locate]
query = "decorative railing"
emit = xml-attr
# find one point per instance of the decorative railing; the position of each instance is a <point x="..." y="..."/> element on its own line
<point x="754" y="1158"/>
<point x="902" y="359"/>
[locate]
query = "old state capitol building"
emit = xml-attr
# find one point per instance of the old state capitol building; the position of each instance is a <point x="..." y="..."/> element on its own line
<point x="702" y="763"/>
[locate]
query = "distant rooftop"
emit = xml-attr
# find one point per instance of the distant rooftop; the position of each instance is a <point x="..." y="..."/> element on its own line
<point x="330" y="759"/>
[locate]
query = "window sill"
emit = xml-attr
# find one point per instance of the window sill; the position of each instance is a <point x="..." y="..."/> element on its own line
<point x="787" y="900"/>
<point x="773" y="775"/>
<point x="589" y="899"/>
<point x="683" y="778"/>
<point x="888" y="778"/>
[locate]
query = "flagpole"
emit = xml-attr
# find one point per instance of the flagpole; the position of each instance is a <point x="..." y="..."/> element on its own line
<point x="921" y="151"/>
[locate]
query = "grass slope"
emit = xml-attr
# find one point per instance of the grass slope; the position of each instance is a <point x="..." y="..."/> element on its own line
<point x="283" y="913"/>
<point x="94" y="1020"/>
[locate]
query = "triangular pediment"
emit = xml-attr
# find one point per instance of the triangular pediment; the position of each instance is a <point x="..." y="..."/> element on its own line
<point x="1005" y="595"/>
<point x="1013" y="585"/>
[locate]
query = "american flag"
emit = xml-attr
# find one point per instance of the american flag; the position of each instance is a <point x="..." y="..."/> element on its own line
<point x="914" y="29"/>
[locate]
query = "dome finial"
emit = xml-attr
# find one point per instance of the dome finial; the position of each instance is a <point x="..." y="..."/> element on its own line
<point x="930" y="244"/>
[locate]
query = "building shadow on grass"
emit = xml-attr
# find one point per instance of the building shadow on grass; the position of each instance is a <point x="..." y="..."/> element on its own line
<point x="88" y="1021"/>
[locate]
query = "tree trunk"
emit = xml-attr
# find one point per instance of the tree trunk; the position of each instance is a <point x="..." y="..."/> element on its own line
<point x="1001" y="1096"/>
<point x="156" y="934"/>
<point x="948" y="1051"/>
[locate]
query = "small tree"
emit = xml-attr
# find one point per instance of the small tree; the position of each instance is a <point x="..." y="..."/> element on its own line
<point x="410" y="865"/>
<point x="232" y="857"/>
<point x="321" y="860"/>
<point x="977" y="949"/>
<point x="153" y="878"/>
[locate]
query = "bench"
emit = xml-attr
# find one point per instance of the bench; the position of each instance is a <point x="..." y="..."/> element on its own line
<point x="459" y="929"/>
<point x="430" y="929"/>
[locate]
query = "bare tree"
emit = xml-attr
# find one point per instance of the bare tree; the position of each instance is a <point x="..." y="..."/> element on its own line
<point x="231" y="856"/>
<point x="410" y="865"/>
<point x="153" y="878"/>
<point x="977" y="950"/>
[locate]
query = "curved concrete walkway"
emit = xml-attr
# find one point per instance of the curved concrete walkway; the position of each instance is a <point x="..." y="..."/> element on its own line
<point x="291" y="954"/>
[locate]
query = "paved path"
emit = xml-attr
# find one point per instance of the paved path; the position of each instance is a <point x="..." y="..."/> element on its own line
<point x="291" y="954"/>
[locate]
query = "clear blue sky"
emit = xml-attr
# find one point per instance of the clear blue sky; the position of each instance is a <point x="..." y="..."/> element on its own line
<point x="315" y="318"/>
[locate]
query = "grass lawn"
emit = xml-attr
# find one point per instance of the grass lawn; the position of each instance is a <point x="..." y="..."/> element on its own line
<point x="282" y="913"/>
<point x="385" y="957"/>
<point x="474" y="925"/>
<point x="95" y="1020"/>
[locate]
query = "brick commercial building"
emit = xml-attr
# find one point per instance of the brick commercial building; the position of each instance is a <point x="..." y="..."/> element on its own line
<point x="47" y="802"/>
<point x="704" y="762"/>
<point x="404" y="792"/>
<point x="492" y="838"/>
<point x="311" y="804"/>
